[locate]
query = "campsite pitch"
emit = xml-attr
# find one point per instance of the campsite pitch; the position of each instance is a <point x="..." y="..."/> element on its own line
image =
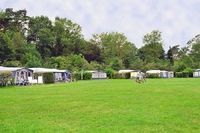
<point x="159" y="105"/>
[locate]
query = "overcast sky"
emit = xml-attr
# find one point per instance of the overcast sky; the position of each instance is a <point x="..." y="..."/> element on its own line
<point x="178" y="20"/>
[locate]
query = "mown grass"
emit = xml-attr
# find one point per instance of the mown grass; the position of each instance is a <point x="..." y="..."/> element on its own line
<point x="159" y="105"/>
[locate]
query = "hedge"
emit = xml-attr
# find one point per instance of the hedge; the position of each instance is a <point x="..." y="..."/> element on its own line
<point x="183" y="74"/>
<point x="152" y="75"/>
<point x="118" y="76"/>
<point x="48" y="78"/>
<point x="86" y="76"/>
<point x="110" y="73"/>
<point x="76" y="76"/>
<point x="6" y="78"/>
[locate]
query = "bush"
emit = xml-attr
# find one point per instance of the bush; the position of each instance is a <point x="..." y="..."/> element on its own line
<point x="48" y="78"/>
<point x="110" y="73"/>
<point x="76" y="76"/>
<point x="5" y="78"/>
<point x="87" y="76"/>
<point x="188" y="72"/>
<point x="12" y="63"/>
<point x="152" y="75"/>
<point x="178" y="74"/>
<point x="122" y="76"/>
<point x="183" y="74"/>
<point x="119" y="76"/>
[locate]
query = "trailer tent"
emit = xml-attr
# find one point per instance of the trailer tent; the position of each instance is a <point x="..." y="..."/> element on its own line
<point x="196" y="74"/>
<point x="35" y="75"/>
<point x="59" y="75"/>
<point x="97" y="74"/>
<point x="161" y="73"/>
<point x="133" y="73"/>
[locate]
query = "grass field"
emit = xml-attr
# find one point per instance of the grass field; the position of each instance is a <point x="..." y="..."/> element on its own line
<point x="160" y="105"/>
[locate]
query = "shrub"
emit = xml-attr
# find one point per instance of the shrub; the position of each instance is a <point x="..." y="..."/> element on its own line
<point x="119" y="76"/>
<point x="48" y="78"/>
<point x="76" y="76"/>
<point x="5" y="78"/>
<point x="178" y="74"/>
<point x="122" y="76"/>
<point x="183" y="74"/>
<point x="110" y="73"/>
<point x="14" y="63"/>
<point x="188" y="72"/>
<point x="152" y="75"/>
<point x="87" y="76"/>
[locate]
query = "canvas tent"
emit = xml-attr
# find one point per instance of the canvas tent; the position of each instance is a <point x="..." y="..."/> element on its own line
<point x="196" y="74"/>
<point x="19" y="74"/>
<point x="35" y="75"/>
<point x="161" y="73"/>
<point x="4" y="69"/>
<point x="22" y="76"/>
<point x="133" y="73"/>
<point x="59" y="75"/>
<point x="97" y="74"/>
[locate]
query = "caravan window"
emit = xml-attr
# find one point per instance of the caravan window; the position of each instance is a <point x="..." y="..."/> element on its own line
<point x="29" y="74"/>
<point x="35" y="77"/>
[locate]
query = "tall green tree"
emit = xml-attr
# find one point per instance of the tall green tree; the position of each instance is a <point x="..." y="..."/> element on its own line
<point x="195" y="54"/>
<point x="92" y="52"/>
<point x="172" y="53"/>
<point x="70" y="62"/>
<point x="35" y="25"/>
<point x="14" y="20"/>
<point x="115" y="45"/>
<point x="6" y="51"/>
<point x="46" y="42"/>
<point x="41" y="34"/>
<point x="69" y="39"/>
<point x="153" y="47"/>
<point x="31" y="58"/>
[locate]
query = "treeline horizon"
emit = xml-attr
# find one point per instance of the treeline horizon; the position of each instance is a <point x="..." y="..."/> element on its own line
<point x="40" y="42"/>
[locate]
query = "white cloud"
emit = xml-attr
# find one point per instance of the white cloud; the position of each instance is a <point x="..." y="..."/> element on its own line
<point x="178" y="20"/>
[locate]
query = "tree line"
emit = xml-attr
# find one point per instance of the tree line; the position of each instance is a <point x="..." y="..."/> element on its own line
<point x="41" y="42"/>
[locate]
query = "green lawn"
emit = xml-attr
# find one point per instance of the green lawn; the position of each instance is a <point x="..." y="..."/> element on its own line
<point x="160" y="105"/>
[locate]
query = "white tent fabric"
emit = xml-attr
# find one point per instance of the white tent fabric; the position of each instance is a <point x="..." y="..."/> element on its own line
<point x="126" y="71"/>
<point x="46" y="70"/>
<point x="153" y="71"/>
<point x="10" y="69"/>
